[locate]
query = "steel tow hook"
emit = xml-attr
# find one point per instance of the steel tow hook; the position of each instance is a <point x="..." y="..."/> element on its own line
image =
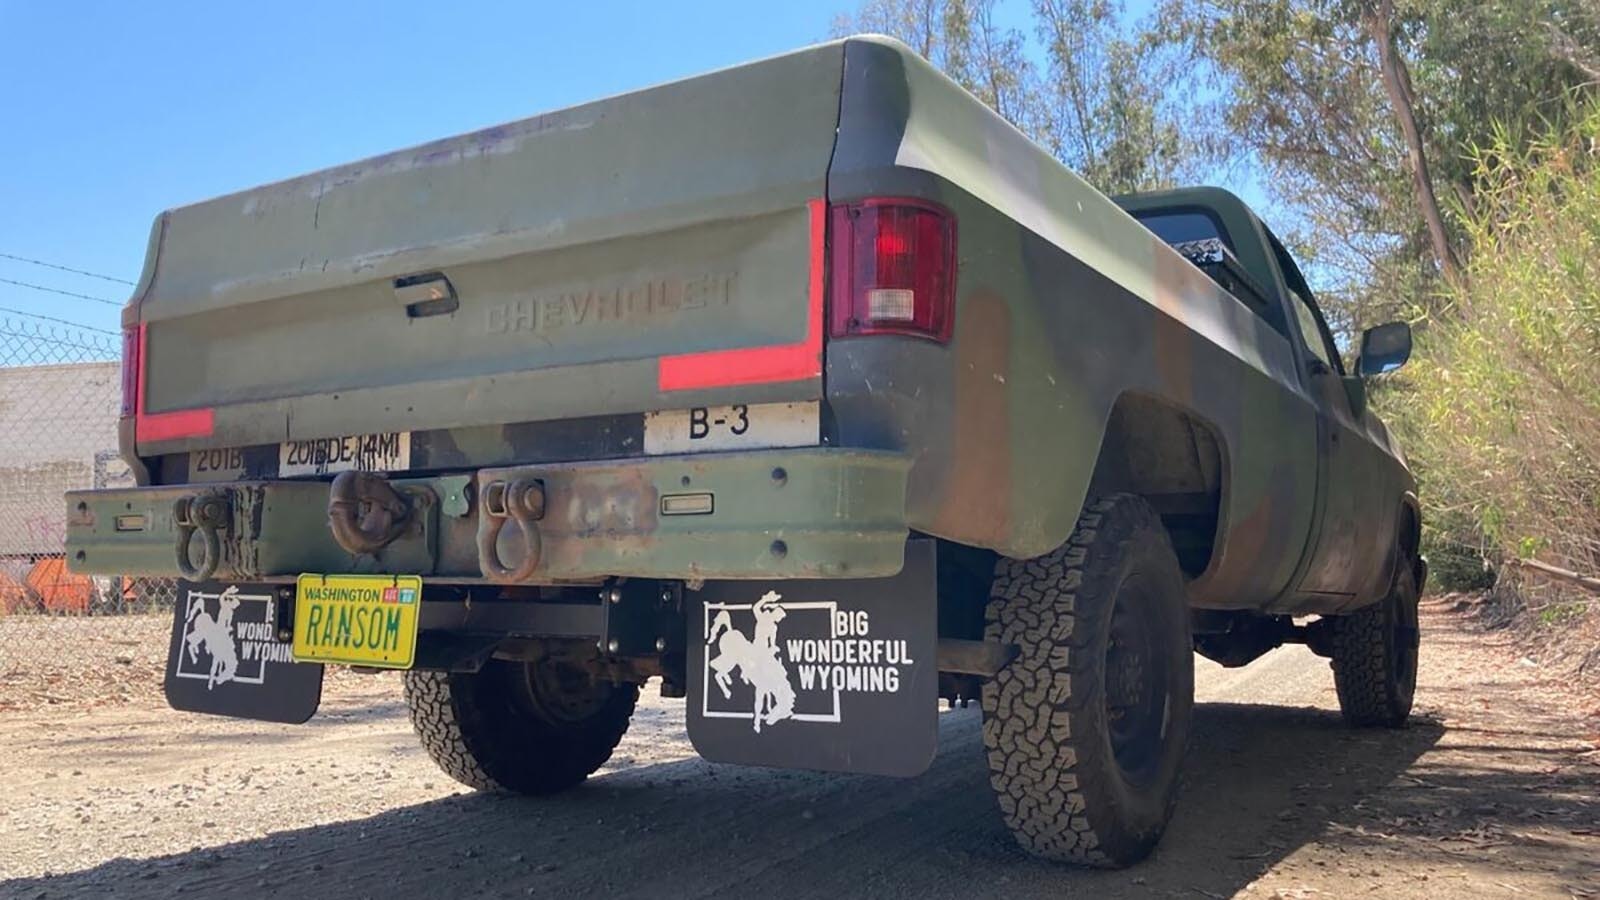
<point x="522" y="502"/>
<point x="206" y="513"/>
<point x="365" y="513"/>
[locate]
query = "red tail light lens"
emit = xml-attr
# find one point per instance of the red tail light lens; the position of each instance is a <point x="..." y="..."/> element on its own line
<point x="130" y="370"/>
<point x="893" y="269"/>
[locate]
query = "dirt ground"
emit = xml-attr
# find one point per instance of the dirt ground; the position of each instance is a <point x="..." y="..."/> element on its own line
<point x="1494" y="791"/>
<point x="76" y="663"/>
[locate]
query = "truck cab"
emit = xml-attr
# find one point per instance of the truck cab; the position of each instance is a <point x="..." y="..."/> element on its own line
<point x="1366" y="500"/>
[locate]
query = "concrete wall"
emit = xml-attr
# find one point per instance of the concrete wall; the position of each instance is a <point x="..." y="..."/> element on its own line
<point x="58" y="432"/>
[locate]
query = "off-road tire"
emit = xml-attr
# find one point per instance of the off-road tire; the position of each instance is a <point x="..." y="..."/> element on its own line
<point x="1048" y="726"/>
<point x="496" y="730"/>
<point x="1374" y="657"/>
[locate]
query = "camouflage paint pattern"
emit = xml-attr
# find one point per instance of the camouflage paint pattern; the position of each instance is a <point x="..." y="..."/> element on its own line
<point x="1066" y="305"/>
<point x="584" y="245"/>
<point x="587" y="245"/>
<point x="803" y="513"/>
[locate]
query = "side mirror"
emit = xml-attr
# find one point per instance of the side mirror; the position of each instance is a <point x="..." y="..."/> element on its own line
<point x="1384" y="349"/>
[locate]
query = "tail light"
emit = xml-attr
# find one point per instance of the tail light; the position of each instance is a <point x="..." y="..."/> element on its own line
<point x="893" y="269"/>
<point x="130" y="370"/>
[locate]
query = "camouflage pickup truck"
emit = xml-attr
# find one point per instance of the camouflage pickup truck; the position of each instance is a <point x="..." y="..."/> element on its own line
<point x="810" y="388"/>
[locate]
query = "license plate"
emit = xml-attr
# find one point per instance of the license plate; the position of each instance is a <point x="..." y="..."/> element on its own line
<point x="386" y="452"/>
<point x="221" y="464"/>
<point x="359" y="620"/>
<point x="739" y="427"/>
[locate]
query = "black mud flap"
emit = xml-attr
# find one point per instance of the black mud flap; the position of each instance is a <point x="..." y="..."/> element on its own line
<point x="225" y="657"/>
<point x="828" y="674"/>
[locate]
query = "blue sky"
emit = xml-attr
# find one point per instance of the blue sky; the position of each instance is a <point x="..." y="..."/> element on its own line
<point x="115" y="111"/>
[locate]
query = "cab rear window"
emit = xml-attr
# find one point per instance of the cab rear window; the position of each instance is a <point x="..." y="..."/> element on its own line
<point x="1181" y="227"/>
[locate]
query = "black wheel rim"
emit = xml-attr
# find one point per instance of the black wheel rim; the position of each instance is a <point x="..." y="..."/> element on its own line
<point x="1403" y="645"/>
<point x="562" y="694"/>
<point x="1136" y="676"/>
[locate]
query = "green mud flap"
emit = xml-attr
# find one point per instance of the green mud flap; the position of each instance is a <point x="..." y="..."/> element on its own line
<point x="831" y="674"/>
<point x="225" y="657"/>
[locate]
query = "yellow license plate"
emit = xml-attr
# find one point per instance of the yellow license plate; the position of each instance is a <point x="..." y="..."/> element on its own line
<point x="360" y="620"/>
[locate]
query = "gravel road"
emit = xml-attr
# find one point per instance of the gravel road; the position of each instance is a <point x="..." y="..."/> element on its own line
<point x="1491" y="793"/>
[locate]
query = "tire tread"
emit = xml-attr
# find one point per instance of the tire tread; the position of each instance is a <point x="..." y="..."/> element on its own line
<point x="1037" y="710"/>
<point x="470" y="738"/>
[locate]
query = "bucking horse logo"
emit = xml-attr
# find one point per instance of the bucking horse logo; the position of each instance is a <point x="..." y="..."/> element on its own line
<point x="756" y="661"/>
<point x="214" y="634"/>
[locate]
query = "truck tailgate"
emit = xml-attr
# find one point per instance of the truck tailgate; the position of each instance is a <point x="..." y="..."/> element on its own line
<point x="631" y="254"/>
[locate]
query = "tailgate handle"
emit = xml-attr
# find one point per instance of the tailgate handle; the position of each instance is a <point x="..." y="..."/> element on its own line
<point x="523" y="502"/>
<point x="427" y="294"/>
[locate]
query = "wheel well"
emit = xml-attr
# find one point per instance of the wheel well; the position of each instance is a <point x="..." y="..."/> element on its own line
<point x="1173" y="459"/>
<point x="1410" y="531"/>
<point x="1409" y="542"/>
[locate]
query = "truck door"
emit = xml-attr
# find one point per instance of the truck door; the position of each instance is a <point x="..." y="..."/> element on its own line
<point x="1349" y="534"/>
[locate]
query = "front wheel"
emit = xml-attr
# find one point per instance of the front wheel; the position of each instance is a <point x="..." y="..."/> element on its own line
<point x="1087" y="728"/>
<point x="1374" y="657"/>
<point x="525" y="727"/>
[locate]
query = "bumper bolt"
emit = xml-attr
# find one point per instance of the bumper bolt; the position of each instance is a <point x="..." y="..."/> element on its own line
<point x="661" y="645"/>
<point x="613" y="646"/>
<point x="779" y="549"/>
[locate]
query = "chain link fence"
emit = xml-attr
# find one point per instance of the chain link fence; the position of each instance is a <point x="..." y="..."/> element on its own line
<point x="65" y="638"/>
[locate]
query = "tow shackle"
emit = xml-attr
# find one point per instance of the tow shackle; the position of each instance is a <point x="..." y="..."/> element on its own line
<point x="208" y="514"/>
<point x="365" y="512"/>
<point x="520" y="501"/>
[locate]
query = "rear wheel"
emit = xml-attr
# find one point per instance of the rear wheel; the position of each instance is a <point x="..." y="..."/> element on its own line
<point x="1087" y="728"/>
<point x="526" y="727"/>
<point x="1374" y="657"/>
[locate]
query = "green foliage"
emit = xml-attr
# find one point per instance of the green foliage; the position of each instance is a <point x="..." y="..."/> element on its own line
<point x="1500" y="409"/>
<point x="1557" y="615"/>
<point x="1454" y="564"/>
<point x="1084" y="83"/>
<point x="1291" y="91"/>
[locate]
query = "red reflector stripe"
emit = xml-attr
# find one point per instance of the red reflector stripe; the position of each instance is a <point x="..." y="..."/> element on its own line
<point x="180" y="423"/>
<point x="759" y="365"/>
<point x="167" y="426"/>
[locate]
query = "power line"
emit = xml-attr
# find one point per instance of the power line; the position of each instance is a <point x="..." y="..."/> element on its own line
<point x="51" y="265"/>
<point x="51" y="290"/>
<point x="18" y="312"/>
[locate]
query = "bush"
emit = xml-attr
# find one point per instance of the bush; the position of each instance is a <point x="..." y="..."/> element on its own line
<point x="1501" y="409"/>
<point x="1454" y="564"/>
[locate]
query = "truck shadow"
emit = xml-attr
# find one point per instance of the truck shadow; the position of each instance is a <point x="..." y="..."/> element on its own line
<point x="1262" y="782"/>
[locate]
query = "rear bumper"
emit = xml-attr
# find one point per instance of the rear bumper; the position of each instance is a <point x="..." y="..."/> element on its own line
<point x="800" y="513"/>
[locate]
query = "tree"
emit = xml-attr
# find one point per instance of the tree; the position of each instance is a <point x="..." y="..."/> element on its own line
<point x="1356" y="116"/>
<point x="1379" y="20"/>
<point x="1086" y="90"/>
